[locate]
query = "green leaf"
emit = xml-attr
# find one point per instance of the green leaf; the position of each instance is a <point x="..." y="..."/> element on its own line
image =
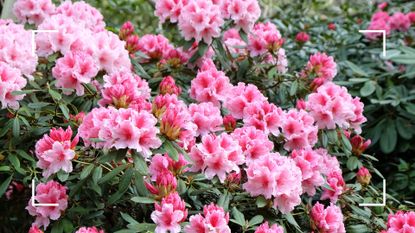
<point x="201" y="49"/>
<point x="67" y="226"/>
<point x="346" y="143"/>
<point x="57" y="227"/>
<point x="14" y="161"/>
<point x="126" y="179"/>
<point x="261" y="202"/>
<point x="169" y="148"/>
<point x="356" y="69"/>
<point x="64" y="110"/>
<point x="112" y="173"/>
<point x="402" y="126"/>
<point x="357" y="228"/>
<point x="38" y="105"/>
<point x="352" y="163"/>
<point x="97" y="174"/>
<point x="293" y="88"/>
<point x="4" y="168"/>
<point x="25" y="155"/>
<point x="224" y="201"/>
<point x="16" y="127"/>
<point x="292" y="221"/>
<point x="388" y="138"/>
<point x="368" y="88"/>
<point x="238" y="216"/>
<point x="143" y="200"/>
<point x="256" y="220"/>
<point x="142" y="227"/>
<point x="128" y="218"/>
<point x="5" y="185"/>
<point x="140" y="164"/>
<point x="86" y="171"/>
<point x="62" y="175"/>
<point x="408" y="59"/>
<point x="55" y="95"/>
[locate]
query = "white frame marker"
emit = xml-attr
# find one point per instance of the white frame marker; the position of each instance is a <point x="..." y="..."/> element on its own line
<point x="383" y="36"/>
<point x="33" y="198"/>
<point x="377" y="204"/>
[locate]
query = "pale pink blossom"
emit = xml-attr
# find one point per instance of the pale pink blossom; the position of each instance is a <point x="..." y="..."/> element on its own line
<point x="263" y="38"/>
<point x="234" y="42"/>
<point x="33" y="11"/>
<point x="95" y="126"/>
<point x="321" y="68"/>
<point x="299" y="130"/>
<point x="162" y="163"/>
<point x="162" y="102"/>
<point x="89" y="230"/>
<point x="244" y="13"/>
<point x="328" y="219"/>
<point x="275" y="177"/>
<point x="216" y="156"/>
<point x="382" y="5"/>
<point x="74" y="70"/>
<point x="169" y="214"/>
<point x="155" y="47"/>
<point x="401" y="222"/>
<point x="168" y="86"/>
<point x="10" y="80"/>
<point x="214" y="219"/>
<point x="310" y="163"/>
<point x="51" y="192"/>
<point x="265" y="228"/>
<point x="200" y="20"/>
<point x="206" y="116"/>
<point x="337" y="186"/>
<point x="264" y="116"/>
<point x="169" y="9"/>
<point x="400" y="22"/>
<point x="254" y="142"/>
<point x="56" y="151"/>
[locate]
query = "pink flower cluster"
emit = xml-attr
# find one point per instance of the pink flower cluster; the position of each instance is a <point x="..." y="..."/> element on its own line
<point x="265" y="228"/>
<point x="381" y="20"/>
<point x="254" y="143"/>
<point x="264" y="37"/>
<point x="328" y="219"/>
<point x="214" y="219"/>
<point x="120" y="129"/>
<point x="154" y="46"/>
<point x="321" y="68"/>
<point x="33" y="11"/>
<point x="51" y="192"/>
<point x="401" y="222"/>
<point x="216" y="156"/>
<point x="206" y="116"/>
<point x="83" y="13"/>
<point x="264" y="116"/>
<point x="16" y="48"/>
<point x="330" y="168"/>
<point x="10" y="80"/>
<point x="89" y="230"/>
<point x="275" y="176"/>
<point x="162" y="164"/>
<point x="169" y="214"/>
<point x="333" y="106"/>
<point x="299" y="130"/>
<point x="124" y="89"/>
<point x="244" y="13"/>
<point x="169" y="9"/>
<point x="56" y="151"/>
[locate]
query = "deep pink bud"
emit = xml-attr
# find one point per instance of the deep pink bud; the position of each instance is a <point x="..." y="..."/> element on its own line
<point x="302" y="37"/>
<point x="78" y="118"/>
<point x="132" y="44"/>
<point x="126" y="30"/>
<point x="234" y="178"/>
<point x="359" y="145"/>
<point x="363" y="176"/>
<point x="168" y="86"/>
<point x="35" y="229"/>
<point x="229" y="122"/>
<point x="382" y="5"/>
<point x="331" y="26"/>
<point x="300" y="104"/>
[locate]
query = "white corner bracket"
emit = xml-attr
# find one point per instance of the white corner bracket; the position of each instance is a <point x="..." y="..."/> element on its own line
<point x="39" y="204"/>
<point x="383" y="36"/>
<point x="33" y="39"/>
<point x="378" y="204"/>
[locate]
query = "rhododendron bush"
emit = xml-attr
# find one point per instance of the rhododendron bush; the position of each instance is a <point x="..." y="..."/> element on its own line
<point x="200" y="127"/>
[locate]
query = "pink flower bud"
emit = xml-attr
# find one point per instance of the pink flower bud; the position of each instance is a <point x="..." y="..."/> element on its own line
<point x="168" y="86"/>
<point x="234" y="178"/>
<point x="302" y="37"/>
<point x="78" y="118"/>
<point x="382" y="5"/>
<point x="132" y="44"/>
<point x="300" y="104"/>
<point x="359" y="145"/>
<point x="229" y="122"/>
<point x="126" y="30"/>
<point x="331" y="26"/>
<point x="35" y="229"/>
<point x="363" y="176"/>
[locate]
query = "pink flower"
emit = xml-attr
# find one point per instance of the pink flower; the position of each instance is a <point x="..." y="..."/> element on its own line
<point x="169" y="214"/>
<point x="35" y="229"/>
<point x="74" y="70"/>
<point x="264" y="116"/>
<point x="162" y="163"/>
<point x="382" y="5"/>
<point x="321" y="68"/>
<point x="310" y="163"/>
<point x="169" y="9"/>
<point x="363" y="176"/>
<point x="337" y="186"/>
<point x="401" y="222"/>
<point x="265" y="228"/>
<point x="229" y="123"/>
<point x="299" y="130"/>
<point x="234" y="42"/>
<point x="168" y="86"/>
<point x="162" y="102"/>
<point x="132" y="44"/>
<point x="300" y="105"/>
<point x="244" y="13"/>
<point x="399" y="21"/>
<point x="126" y="30"/>
<point x="331" y="26"/>
<point x="359" y="145"/>
<point x="210" y="85"/>
<point x="329" y="164"/>
<point x="216" y="156"/>
<point x="240" y="97"/>
<point x="328" y="219"/>
<point x="379" y="21"/>
<point x="176" y="122"/>
<point x="254" y="142"/>
<point x="51" y="192"/>
<point x="155" y="47"/>
<point x="214" y="219"/>
<point x="124" y="89"/>
<point x="165" y="183"/>
<point x="206" y="116"/>
<point x="275" y="176"/>
<point x="16" y="49"/>
<point x="33" y="11"/>
<point x="56" y="151"/>
<point x="302" y="37"/>
<point x="200" y="20"/>
<point x="263" y="38"/>
<point x="89" y="230"/>
<point x="333" y="106"/>
<point x="411" y="17"/>
<point x="10" y="80"/>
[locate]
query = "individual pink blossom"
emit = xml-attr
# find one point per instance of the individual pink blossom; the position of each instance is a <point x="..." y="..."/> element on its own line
<point x="321" y="68"/>
<point x="302" y="37"/>
<point x="168" y="86"/>
<point x="74" y="70"/>
<point x="50" y="192"/>
<point x="328" y="219"/>
<point x="200" y="20"/>
<point x="164" y="184"/>
<point x="330" y="163"/>
<point x="210" y="85"/>
<point x="83" y="14"/>
<point x="10" y="80"/>
<point x="162" y="163"/>
<point x="16" y="49"/>
<point x="176" y="58"/>
<point x="124" y="89"/>
<point x="35" y="229"/>
<point x="234" y="43"/>
<point x="176" y="123"/>
<point x="216" y="156"/>
<point x="401" y="222"/>
<point x="275" y="176"/>
<point x="169" y="214"/>
<point x="363" y="176"/>
<point x="264" y="116"/>
<point x="244" y="13"/>
<point x="359" y="145"/>
<point x="310" y="163"/>
<point x="126" y="30"/>
<point x="265" y="228"/>
<point x="155" y="47"/>
<point x="33" y="11"/>
<point x="56" y="151"/>
<point x="206" y="116"/>
<point x="229" y="123"/>
<point x="400" y="22"/>
<point x="242" y="96"/>
<point x="162" y="102"/>
<point x="264" y="38"/>
<point x="89" y="230"/>
<point x="132" y="44"/>
<point x="337" y="186"/>
<point x="254" y="142"/>
<point x="333" y="106"/>
<point x="214" y="219"/>
<point x="299" y="130"/>
<point x="169" y="9"/>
